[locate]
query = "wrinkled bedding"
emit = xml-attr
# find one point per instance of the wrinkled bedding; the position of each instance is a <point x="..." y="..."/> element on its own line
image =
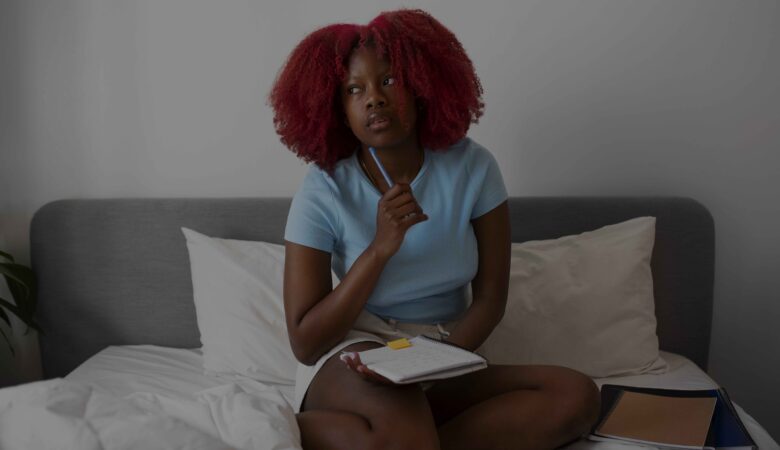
<point x="149" y="397"/>
<point x="63" y="414"/>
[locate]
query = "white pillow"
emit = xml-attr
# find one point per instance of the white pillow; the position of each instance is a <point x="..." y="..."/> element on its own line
<point x="237" y="288"/>
<point x="582" y="301"/>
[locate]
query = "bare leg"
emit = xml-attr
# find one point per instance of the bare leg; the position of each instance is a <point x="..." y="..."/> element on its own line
<point x="323" y="429"/>
<point x="343" y="411"/>
<point x="517" y="407"/>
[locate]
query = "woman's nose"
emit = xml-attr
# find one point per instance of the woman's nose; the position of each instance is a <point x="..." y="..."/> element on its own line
<point x="375" y="98"/>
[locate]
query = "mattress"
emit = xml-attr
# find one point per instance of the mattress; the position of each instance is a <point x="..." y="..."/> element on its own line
<point x="177" y="375"/>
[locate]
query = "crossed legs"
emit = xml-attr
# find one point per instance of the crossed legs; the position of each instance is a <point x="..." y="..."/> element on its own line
<point x="501" y="407"/>
<point x="514" y="407"/>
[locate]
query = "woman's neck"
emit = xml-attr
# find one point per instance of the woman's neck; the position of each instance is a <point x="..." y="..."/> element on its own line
<point x="401" y="163"/>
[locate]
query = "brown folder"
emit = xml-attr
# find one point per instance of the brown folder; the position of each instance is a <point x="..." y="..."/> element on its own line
<point x="682" y="421"/>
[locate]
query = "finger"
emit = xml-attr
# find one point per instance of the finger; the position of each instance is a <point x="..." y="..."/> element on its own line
<point x="402" y="199"/>
<point x="407" y="209"/>
<point x="408" y="213"/>
<point x="346" y="356"/>
<point x="395" y="191"/>
<point x="413" y="219"/>
<point x="386" y="207"/>
<point x="345" y="359"/>
<point x="349" y="359"/>
<point x="397" y="214"/>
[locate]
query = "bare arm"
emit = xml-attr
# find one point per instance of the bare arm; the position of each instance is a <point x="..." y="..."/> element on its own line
<point x="491" y="283"/>
<point x="318" y="316"/>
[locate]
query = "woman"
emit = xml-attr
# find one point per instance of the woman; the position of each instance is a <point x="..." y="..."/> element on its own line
<point x="404" y="248"/>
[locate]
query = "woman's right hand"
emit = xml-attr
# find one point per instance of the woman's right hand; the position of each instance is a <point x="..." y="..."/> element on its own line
<point x="352" y="360"/>
<point x="397" y="212"/>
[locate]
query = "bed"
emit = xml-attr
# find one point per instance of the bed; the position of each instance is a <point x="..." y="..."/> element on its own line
<point x="115" y="299"/>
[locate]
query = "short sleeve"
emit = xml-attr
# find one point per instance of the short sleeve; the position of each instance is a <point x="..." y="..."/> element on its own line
<point x="312" y="220"/>
<point x="492" y="191"/>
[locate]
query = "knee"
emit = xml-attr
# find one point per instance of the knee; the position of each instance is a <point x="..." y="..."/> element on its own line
<point x="580" y="404"/>
<point x="403" y="438"/>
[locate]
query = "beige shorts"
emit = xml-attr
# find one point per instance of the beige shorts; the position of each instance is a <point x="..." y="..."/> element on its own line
<point x="368" y="327"/>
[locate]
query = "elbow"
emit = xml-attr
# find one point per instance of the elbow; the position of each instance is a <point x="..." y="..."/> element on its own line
<point x="493" y="307"/>
<point x="500" y="305"/>
<point x="501" y="312"/>
<point x="305" y="354"/>
<point x="307" y="359"/>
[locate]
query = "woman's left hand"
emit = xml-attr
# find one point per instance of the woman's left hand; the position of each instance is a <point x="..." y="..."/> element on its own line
<point x="352" y="360"/>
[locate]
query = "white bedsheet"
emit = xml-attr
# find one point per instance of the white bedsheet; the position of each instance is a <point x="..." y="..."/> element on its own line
<point x="68" y="415"/>
<point x="166" y="382"/>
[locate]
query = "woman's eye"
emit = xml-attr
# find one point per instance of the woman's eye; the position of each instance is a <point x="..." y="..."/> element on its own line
<point x="353" y="90"/>
<point x="389" y="81"/>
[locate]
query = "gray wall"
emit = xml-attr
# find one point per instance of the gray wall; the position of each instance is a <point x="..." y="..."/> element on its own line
<point x="599" y="97"/>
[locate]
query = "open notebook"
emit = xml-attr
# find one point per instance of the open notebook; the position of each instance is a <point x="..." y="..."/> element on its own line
<point x="425" y="359"/>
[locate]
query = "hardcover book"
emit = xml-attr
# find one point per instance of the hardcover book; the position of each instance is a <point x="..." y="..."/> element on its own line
<point x="670" y="418"/>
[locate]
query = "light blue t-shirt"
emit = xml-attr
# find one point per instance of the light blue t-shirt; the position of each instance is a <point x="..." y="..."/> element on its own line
<point x="424" y="282"/>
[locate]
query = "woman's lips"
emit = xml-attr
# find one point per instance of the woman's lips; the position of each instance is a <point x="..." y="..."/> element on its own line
<point x="377" y="121"/>
<point x="379" y="124"/>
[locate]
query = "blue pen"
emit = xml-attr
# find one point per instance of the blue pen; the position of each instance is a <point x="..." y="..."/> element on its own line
<point x="372" y="150"/>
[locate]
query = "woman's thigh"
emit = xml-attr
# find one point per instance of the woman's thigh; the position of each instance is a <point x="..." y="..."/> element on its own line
<point x="394" y="412"/>
<point x="449" y="397"/>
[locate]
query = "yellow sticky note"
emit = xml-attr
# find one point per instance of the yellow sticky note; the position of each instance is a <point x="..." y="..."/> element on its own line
<point x="399" y="344"/>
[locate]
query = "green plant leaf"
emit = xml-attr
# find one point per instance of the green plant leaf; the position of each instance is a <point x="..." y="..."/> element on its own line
<point x="22" y="315"/>
<point x="32" y="298"/>
<point x="19" y="273"/>
<point x="34" y="325"/>
<point x="8" y="341"/>
<point x="10" y="306"/>
<point x="28" y="320"/>
<point x="4" y="316"/>
<point x="7" y="256"/>
<point x="21" y="283"/>
<point x="20" y="280"/>
<point x="20" y="294"/>
<point x="17" y="292"/>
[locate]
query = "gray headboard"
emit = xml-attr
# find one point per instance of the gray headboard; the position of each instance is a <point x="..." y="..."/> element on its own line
<point x="116" y="271"/>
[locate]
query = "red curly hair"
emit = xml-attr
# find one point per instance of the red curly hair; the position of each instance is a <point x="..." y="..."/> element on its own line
<point x="426" y="58"/>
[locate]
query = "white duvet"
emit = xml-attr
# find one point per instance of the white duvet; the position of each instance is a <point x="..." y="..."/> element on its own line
<point x="150" y="397"/>
<point x="62" y="414"/>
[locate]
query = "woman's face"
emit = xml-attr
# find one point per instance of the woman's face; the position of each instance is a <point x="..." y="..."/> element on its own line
<point x="372" y="102"/>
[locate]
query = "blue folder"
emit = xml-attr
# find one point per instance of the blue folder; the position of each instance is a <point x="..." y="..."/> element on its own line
<point x="726" y="428"/>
